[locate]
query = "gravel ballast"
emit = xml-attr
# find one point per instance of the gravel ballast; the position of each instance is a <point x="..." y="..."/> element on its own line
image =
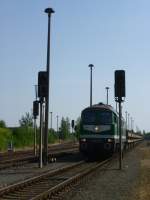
<point x="110" y="183"/>
<point x="16" y="174"/>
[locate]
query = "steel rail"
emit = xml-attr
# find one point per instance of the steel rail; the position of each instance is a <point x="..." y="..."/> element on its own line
<point x="16" y="154"/>
<point x="54" y="190"/>
<point x="20" y="161"/>
<point x="35" y="179"/>
<point x="34" y="185"/>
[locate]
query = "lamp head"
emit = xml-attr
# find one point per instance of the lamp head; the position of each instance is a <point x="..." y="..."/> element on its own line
<point x="49" y="10"/>
<point x="91" y="65"/>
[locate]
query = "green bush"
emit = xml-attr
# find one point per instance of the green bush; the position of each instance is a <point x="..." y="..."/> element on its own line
<point x="52" y="136"/>
<point x="5" y="138"/>
<point x="23" y="136"/>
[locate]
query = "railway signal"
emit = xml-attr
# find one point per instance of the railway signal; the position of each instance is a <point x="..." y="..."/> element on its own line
<point x="35" y="114"/>
<point x="35" y="109"/>
<point x="42" y="93"/>
<point x="72" y="124"/>
<point x="119" y="94"/>
<point x="42" y="84"/>
<point x="119" y="85"/>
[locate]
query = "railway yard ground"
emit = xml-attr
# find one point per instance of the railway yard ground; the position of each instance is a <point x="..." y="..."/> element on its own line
<point x="16" y="174"/>
<point x="109" y="183"/>
<point x="106" y="183"/>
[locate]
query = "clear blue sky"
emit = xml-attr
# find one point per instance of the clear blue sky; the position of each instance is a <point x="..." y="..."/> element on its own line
<point x="110" y="34"/>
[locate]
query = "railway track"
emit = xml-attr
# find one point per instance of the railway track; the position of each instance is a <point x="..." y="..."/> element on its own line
<point x="10" y="161"/>
<point x="50" y="183"/>
<point x="10" y="154"/>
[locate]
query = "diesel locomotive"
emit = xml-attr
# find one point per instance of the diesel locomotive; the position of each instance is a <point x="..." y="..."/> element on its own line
<point x="99" y="131"/>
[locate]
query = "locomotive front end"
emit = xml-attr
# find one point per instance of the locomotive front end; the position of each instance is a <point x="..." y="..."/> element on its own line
<point x="97" y="131"/>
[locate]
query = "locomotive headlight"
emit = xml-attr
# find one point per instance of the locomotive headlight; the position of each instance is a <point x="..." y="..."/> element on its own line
<point x="83" y="140"/>
<point x="96" y="128"/>
<point x="109" y="140"/>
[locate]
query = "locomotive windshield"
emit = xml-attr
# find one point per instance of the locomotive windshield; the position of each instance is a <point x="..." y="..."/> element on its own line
<point x="96" y="117"/>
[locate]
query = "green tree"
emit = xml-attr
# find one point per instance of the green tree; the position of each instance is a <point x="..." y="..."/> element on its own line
<point x="2" y="124"/>
<point x="5" y="138"/>
<point x="65" y="128"/>
<point x="77" y="127"/>
<point x="26" y="120"/>
<point x="52" y="136"/>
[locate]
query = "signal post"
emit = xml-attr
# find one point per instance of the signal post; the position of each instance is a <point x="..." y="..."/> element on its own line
<point x="119" y="95"/>
<point x="42" y="94"/>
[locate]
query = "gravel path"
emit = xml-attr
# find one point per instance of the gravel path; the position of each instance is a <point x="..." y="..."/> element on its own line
<point x="109" y="183"/>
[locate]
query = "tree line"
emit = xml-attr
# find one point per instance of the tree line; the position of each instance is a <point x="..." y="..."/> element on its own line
<point x="23" y="136"/>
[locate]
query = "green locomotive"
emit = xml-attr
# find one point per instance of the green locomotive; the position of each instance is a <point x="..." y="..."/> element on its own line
<point x="99" y="131"/>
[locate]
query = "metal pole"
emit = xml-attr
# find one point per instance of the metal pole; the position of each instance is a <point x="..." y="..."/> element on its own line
<point x="41" y="130"/>
<point x="49" y="11"/>
<point x="107" y="88"/>
<point x="36" y="92"/>
<point x="51" y="119"/>
<point x="43" y="120"/>
<point x="126" y="120"/>
<point x="120" y="136"/>
<point x="57" y="122"/>
<point x="116" y="107"/>
<point x="35" y="145"/>
<point x="57" y="129"/>
<point x="91" y="66"/>
<point x="131" y="123"/>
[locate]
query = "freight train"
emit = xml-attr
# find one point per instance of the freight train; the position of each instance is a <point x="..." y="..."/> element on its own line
<point x="99" y="131"/>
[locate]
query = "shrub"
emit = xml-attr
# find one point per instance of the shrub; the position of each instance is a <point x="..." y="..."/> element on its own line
<point x="23" y="136"/>
<point x="52" y="136"/>
<point x="5" y="138"/>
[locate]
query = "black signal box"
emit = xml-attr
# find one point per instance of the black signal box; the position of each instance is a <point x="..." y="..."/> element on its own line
<point x="35" y="108"/>
<point x="72" y="123"/>
<point x="120" y="83"/>
<point x="42" y="84"/>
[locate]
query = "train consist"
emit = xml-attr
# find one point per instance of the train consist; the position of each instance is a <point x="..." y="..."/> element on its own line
<point x="99" y="131"/>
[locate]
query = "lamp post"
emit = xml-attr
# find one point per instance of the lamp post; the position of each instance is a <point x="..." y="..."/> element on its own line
<point x="49" y="11"/>
<point x="91" y="66"/>
<point x="133" y="125"/>
<point x="51" y="119"/>
<point x="107" y="88"/>
<point x="57" y="123"/>
<point x="126" y="120"/>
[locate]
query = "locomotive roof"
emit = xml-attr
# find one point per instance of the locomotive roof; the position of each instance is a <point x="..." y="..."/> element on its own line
<point x="102" y="106"/>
